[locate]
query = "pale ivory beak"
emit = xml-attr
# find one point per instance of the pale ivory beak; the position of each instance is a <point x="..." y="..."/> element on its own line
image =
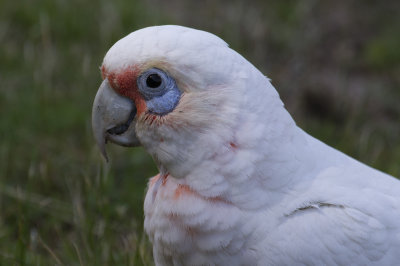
<point x="113" y="118"/>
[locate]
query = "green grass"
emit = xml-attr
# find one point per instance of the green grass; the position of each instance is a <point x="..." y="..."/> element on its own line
<point x="62" y="205"/>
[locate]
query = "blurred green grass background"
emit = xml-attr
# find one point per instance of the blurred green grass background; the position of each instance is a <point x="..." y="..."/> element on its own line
<point x="335" y="64"/>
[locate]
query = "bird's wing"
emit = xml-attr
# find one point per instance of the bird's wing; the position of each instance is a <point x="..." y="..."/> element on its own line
<point x="334" y="224"/>
<point x="330" y="235"/>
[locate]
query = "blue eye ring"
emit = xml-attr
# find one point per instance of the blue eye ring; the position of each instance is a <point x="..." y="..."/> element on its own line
<point x="154" y="83"/>
<point x="159" y="90"/>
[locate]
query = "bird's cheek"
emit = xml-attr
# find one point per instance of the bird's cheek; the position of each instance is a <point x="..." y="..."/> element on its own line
<point x="140" y="103"/>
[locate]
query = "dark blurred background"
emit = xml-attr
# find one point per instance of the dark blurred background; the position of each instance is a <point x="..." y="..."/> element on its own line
<point x="336" y="65"/>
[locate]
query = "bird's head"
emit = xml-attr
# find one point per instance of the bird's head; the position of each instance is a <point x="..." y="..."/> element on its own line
<point x="181" y="93"/>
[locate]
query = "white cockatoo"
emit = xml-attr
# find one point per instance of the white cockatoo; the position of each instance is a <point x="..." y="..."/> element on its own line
<point x="239" y="182"/>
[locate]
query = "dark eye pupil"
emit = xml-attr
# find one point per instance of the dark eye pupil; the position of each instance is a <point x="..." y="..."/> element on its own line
<point x="153" y="81"/>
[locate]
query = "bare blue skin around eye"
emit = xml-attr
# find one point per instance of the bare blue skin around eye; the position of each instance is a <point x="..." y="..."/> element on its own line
<point x="164" y="104"/>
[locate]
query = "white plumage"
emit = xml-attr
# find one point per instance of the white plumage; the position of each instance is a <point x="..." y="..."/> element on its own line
<point x="239" y="182"/>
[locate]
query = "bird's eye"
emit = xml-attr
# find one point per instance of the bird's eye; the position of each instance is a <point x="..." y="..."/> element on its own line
<point x="154" y="83"/>
<point x="153" y="80"/>
<point x="159" y="90"/>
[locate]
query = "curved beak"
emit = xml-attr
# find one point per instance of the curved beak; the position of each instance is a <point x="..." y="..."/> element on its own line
<point x="113" y="119"/>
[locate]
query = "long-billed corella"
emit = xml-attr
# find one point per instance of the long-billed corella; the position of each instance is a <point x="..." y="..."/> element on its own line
<point x="239" y="182"/>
